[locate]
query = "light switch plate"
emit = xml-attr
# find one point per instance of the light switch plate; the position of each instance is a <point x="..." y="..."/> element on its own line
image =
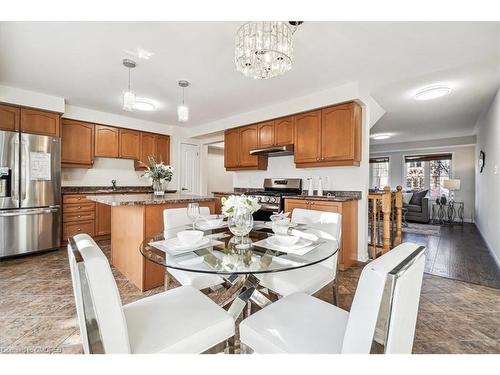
<point x="495" y="169"/>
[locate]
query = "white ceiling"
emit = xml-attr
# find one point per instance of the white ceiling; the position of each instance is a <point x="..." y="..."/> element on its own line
<point x="82" y="63"/>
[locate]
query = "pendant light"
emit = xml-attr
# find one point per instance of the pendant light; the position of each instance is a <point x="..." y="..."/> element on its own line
<point x="128" y="95"/>
<point x="182" y="109"/>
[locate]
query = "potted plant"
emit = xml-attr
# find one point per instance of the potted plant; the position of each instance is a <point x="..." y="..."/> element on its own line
<point x="160" y="174"/>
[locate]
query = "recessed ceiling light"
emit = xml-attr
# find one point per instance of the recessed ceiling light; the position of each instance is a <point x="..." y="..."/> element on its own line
<point x="144" y="104"/>
<point x="432" y="92"/>
<point x="381" y="136"/>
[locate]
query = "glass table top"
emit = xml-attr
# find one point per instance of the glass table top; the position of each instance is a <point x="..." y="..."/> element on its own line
<point x="225" y="254"/>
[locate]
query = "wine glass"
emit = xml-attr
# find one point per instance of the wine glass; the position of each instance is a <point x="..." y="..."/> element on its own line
<point x="193" y="212"/>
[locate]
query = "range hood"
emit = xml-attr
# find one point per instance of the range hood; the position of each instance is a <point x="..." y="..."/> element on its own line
<point x="273" y="151"/>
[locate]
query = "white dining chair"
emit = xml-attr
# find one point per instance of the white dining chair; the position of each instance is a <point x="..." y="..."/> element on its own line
<point x="327" y="225"/>
<point x="300" y="323"/>
<point x="181" y="320"/>
<point x="176" y="217"/>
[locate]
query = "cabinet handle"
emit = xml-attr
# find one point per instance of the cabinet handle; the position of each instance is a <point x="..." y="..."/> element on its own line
<point x="79" y="207"/>
<point x="312" y="202"/>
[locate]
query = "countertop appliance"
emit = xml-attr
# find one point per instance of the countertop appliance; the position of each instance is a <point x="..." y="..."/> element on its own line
<point x="30" y="193"/>
<point x="271" y="198"/>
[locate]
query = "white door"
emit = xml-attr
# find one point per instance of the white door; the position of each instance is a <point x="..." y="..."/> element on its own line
<point x="190" y="168"/>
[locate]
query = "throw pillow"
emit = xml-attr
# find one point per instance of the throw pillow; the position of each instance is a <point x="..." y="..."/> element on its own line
<point x="417" y="197"/>
<point x="407" y="197"/>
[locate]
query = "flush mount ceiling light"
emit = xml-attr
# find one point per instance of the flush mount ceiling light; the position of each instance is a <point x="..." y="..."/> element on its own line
<point x="432" y="92"/>
<point x="264" y="49"/>
<point x="128" y="95"/>
<point x="144" y="104"/>
<point x="182" y="109"/>
<point x="381" y="136"/>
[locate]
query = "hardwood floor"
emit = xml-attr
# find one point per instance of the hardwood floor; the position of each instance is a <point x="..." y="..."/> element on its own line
<point x="37" y="312"/>
<point x="460" y="253"/>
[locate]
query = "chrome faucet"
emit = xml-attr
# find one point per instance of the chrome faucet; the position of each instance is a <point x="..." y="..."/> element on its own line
<point x="113" y="184"/>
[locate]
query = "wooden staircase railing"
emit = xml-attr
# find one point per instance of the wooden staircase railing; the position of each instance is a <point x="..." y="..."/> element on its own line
<point x="385" y="220"/>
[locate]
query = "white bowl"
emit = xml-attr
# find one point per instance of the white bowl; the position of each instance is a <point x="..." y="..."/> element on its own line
<point x="213" y="221"/>
<point x="287" y="240"/>
<point x="190" y="237"/>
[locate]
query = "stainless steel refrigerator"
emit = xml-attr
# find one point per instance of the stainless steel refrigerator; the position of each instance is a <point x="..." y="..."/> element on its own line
<point x="30" y="193"/>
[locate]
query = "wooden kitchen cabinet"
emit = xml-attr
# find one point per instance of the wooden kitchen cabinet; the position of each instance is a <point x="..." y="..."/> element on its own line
<point x="107" y="141"/>
<point x="148" y="148"/>
<point x="34" y="121"/>
<point x="248" y="141"/>
<point x="163" y="148"/>
<point x="341" y="133"/>
<point x="329" y="137"/>
<point x="130" y="144"/>
<point x="237" y="145"/>
<point x="265" y="134"/>
<point x="283" y="131"/>
<point x="77" y="144"/>
<point x="9" y="117"/>
<point x="102" y="219"/>
<point x="349" y="236"/>
<point x="232" y="148"/>
<point x="307" y="137"/>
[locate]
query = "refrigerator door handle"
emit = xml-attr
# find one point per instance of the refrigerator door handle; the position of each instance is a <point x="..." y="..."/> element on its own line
<point x="35" y="211"/>
<point x="15" y="177"/>
<point x="24" y="158"/>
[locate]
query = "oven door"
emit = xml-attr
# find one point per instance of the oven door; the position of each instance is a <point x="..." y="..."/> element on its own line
<point x="265" y="212"/>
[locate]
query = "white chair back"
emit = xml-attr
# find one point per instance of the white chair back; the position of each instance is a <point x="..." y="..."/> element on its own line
<point x="328" y="226"/>
<point x="100" y="314"/>
<point x="176" y="217"/>
<point x="406" y="261"/>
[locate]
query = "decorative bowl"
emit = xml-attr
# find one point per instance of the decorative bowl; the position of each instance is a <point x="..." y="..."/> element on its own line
<point x="213" y="221"/>
<point x="287" y="240"/>
<point x="190" y="237"/>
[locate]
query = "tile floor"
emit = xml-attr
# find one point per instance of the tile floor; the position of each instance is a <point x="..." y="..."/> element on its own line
<point x="37" y="313"/>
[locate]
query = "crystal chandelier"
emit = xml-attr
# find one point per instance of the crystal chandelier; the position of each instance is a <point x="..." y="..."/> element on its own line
<point x="264" y="49"/>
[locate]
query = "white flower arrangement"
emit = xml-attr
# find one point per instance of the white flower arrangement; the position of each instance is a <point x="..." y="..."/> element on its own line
<point x="158" y="171"/>
<point x="239" y="202"/>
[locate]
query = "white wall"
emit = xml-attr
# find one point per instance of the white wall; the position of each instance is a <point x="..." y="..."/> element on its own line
<point x="488" y="182"/>
<point x="33" y="99"/>
<point x="462" y="167"/>
<point x="218" y="179"/>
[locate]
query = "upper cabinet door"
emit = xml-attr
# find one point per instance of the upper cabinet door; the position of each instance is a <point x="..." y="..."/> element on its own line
<point x="339" y="133"/>
<point x="265" y="134"/>
<point x="40" y="122"/>
<point x="283" y="131"/>
<point x="248" y="141"/>
<point x="307" y="137"/>
<point x="130" y="144"/>
<point x="148" y="147"/>
<point x="163" y="148"/>
<point x="107" y="141"/>
<point x="77" y="145"/>
<point x="231" y="148"/>
<point x="9" y="117"/>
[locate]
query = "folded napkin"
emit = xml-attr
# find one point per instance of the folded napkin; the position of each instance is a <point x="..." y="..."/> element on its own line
<point x="298" y="248"/>
<point x="278" y="229"/>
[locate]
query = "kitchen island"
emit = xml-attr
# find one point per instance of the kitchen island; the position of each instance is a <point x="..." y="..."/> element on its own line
<point x="134" y="217"/>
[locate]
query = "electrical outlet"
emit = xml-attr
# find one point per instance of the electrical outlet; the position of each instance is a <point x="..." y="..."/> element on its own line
<point x="65" y="176"/>
<point x="495" y="169"/>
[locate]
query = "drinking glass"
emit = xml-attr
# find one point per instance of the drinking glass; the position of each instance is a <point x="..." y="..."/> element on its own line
<point x="240" y="223"/>
<point x="193" y="212"/>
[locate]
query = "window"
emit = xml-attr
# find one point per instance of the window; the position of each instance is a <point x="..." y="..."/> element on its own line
<point x="428" y="172"/>
<point x="379" y="172"/>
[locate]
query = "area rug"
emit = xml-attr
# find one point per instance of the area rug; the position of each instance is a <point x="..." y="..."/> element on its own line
<point x="427" y="229"/>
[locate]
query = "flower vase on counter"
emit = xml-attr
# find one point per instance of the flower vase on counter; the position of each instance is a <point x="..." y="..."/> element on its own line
<point x="160" y="173"/>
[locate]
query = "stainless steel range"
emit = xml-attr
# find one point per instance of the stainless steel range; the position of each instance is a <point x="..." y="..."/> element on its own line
<point x="271" y="198"/>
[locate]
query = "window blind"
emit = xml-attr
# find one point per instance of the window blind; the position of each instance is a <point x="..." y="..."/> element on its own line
<point x="382" y="159"/>
<point x="429" y="157"/>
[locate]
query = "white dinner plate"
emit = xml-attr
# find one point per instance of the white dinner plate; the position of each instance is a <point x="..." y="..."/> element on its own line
<point x="174" y="246"/>
<point x="269" y="224"/>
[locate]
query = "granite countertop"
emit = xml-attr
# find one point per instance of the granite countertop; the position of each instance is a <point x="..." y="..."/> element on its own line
<point x="323" y="198"/>
<point x="146" y="199"/>
<point x="65" y="190"/>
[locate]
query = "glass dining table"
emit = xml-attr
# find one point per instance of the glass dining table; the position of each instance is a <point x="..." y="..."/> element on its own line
<point x="240" y="261"/>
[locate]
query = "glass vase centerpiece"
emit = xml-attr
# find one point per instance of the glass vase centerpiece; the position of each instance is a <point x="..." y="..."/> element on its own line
<point x="239" y="210"/>
<point x="160" y="174"/>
